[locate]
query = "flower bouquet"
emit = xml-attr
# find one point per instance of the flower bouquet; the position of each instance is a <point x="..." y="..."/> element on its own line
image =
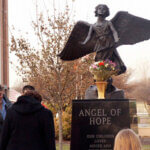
<point x="102" y="71"/>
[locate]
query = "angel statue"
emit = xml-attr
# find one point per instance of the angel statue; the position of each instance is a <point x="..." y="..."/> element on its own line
<point x="105" y="36"/>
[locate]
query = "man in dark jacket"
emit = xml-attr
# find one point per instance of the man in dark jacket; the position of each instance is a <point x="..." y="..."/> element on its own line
<point x="28" y="126"/>
<point x="4" y="105"/>
<point x="27" y="88"/>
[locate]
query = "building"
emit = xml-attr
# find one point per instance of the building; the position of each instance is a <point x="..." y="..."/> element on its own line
<point x="4" y="63"/>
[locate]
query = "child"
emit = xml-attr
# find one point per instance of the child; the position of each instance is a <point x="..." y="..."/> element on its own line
<point x="126" y="139"/>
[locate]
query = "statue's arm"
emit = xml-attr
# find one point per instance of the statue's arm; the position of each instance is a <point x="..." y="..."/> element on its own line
<point x="115" y="34"/>
<point x="88" y="36"/>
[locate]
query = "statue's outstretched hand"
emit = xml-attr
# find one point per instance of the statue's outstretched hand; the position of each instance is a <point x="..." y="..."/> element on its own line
<point x="82" y="43"/>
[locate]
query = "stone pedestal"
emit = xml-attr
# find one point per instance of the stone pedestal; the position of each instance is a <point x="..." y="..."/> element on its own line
<point x="95" y="123"/>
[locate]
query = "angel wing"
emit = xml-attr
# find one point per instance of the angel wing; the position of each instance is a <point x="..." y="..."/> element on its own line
<point x="73" y="48"/>
<point x="131" y="29"/>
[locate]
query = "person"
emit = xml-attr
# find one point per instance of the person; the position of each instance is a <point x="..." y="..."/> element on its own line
<point x="27" y="88"/>
<point x="126" y="139"/>
<point x="4" y="105"/>
<point x="106" y="38"/>
<point x="28" y="125"/>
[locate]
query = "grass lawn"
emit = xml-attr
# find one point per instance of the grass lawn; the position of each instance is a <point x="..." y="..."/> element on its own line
<point x="145" y="147"/>
<point x="65" y="146"/>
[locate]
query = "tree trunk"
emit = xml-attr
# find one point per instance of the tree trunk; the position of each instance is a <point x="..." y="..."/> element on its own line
<point x="60" y="130"/>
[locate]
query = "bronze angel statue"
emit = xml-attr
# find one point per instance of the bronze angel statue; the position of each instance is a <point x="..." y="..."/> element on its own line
<point x="105" y="36"/>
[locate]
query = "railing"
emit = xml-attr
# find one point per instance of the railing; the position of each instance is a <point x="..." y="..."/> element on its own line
<point x="145" y="143"/>
<point x="140" y="123"/>
<point x="146" y="147"/>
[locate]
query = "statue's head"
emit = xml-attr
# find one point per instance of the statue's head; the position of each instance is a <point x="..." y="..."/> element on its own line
<point x="102" y="10"/>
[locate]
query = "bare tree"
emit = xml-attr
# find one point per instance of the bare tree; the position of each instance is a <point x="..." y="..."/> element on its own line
<point x="40" y="65"/>
<point x="139" y="88"/>
<point x="122" y="82"/>
<point x="142" y="85"/>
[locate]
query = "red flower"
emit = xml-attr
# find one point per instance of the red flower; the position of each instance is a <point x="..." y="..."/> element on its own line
<point x="101" y="64"/>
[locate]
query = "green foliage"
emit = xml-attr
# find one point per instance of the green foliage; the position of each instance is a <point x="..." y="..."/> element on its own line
<point x="67" y="124"/>
<point x="66" y="121"/>
<point x="65" y="146"/>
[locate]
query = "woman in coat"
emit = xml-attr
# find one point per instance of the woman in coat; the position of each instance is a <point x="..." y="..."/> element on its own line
<point x="28" y="125"/>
